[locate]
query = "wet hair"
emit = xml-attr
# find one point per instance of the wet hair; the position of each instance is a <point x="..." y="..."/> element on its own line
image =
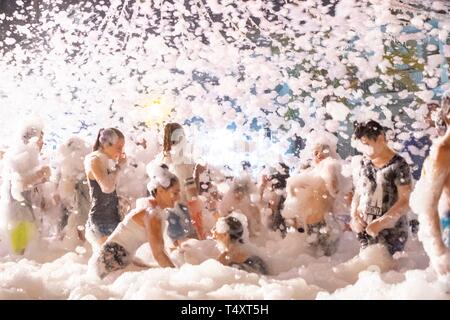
<point x="235" y="229"/>
<point x="30" y="133"/>
<point x="107" y="136"/>
<point x="173" y="180"/>
<point x="246" y="165"/>
<point x="169" y="128"/>
<point x="280" y="177"/>
<point x="371" y="129"/>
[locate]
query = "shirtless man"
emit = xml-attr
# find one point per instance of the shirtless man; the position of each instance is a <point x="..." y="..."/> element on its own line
<point x="433" y="185"/>
<point x="310" y="198"/>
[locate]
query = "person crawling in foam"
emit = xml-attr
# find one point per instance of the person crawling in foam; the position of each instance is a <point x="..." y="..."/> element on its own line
<point x="229" y="236"/>
<point x="311" y="196"/>
<point x="432" y="189"/>
<point x="145" y="223"/>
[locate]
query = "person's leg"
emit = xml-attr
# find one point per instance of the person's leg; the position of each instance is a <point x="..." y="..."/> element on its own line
<point x="395" y="238"/>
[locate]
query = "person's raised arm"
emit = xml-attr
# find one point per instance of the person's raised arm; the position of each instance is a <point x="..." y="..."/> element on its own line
<point x="106" y="180"/>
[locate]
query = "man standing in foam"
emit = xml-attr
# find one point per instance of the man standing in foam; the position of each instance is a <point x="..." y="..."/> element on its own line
<point x="22" y="173"/>
<point x="433" y="187"/>
<point x="312" y="193"/>
<point x="382" y="189"/>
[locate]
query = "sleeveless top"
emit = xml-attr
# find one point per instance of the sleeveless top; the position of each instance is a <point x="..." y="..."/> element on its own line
<point x="104" y="206"/>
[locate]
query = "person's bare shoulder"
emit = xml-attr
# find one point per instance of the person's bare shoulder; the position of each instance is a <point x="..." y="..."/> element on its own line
<point x="443" y="155"/>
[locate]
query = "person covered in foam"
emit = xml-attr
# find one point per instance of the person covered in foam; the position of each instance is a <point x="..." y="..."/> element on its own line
<point x="102" y="167"/>
<point x="176" y="154"/>
<point x="132" y="180"/>
<point x="229" y="234"/>
<point x="312" y="193"/>
<point x="142" y="224"/>
<point x="433" y="191"/>
<point x="273" y="196"/>
<point x="72" y="188"/>
<point x="382" y="190"/>
<point x="239" y="198"/>
<point x="20" y="196"/>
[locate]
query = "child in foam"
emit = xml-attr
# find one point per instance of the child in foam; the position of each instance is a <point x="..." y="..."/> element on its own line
<point x="311" y="196"/>
<point x="22" y="174"/>
<point x="433" y="189"/>
<point x="238" y="198"/>
<point x="143" y="224"/>
<point x="228" y="234"/>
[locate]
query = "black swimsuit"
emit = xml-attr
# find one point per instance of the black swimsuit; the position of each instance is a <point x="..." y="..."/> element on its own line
<point x="104" y="214"/>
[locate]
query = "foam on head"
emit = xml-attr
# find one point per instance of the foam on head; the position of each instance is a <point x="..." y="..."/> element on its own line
<point x="32" y="128"/>
<point x="108" y="137"/>
<point x="321" y="139"/>
<point x="160" y="176"/>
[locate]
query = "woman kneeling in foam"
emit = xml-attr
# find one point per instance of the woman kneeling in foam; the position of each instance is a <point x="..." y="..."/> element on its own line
<point x="140" y="225"/>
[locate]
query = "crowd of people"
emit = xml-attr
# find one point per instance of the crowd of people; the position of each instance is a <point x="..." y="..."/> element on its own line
<point x="176" y="200"/>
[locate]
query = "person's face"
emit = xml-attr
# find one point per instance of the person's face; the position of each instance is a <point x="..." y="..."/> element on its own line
<point x="320" y="153"/>
<point x="167" y="198"/>
<point x="116" y="149"/>
<point x="374" y="147"/>
<point x="177" y="139"/>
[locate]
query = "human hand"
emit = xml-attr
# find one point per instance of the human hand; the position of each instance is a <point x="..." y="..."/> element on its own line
<point x="122" y="159"/>
<point x="357" y="224"/>
<point x="375" y="227"/>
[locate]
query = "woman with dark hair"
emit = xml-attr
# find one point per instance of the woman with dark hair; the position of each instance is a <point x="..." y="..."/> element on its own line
<point x="141" y="225"/>
<point x="102" y="167"/>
